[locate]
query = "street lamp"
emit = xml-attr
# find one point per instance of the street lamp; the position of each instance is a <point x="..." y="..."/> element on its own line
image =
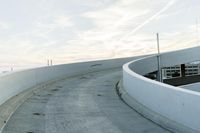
<point x="159" y="75"/>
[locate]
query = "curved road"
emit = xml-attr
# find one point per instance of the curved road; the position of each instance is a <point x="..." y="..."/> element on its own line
<point x="82" y="104"/>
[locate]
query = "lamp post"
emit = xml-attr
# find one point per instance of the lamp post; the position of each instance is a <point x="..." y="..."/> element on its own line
<point x="51" y="62"/>
<point x="48" y="62"/>
<point x="159" y="75"/>
<point x="197" y="31"/>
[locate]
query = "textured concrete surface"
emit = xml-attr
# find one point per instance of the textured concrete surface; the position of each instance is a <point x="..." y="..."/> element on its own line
<point x="193" y="87"/>
<point x="83" y="104"/>
<point x="12" y="104"/>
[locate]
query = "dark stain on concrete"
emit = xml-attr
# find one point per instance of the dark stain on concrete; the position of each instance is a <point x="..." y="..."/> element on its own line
<point x="38" y="114"/>
<point x="96" y="65"/>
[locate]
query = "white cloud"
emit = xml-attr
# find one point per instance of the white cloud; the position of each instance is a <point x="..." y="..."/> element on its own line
<point x="94" y="29"/>
<point x="168" y="5"/>
<point x="63" y="21"/>
<point x="56" y="22"/>
<point x="4" y="25"/>
<point x="117" y="21"/>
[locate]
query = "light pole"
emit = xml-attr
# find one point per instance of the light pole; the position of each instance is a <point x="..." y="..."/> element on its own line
<point x="51" y="63"/>
<point x="197" y="30"/>
<point x="159" y="75"/>
<point x="48" y="62"/>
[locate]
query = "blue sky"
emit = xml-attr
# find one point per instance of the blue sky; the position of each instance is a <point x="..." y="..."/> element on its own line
<point x="32" y="31"/>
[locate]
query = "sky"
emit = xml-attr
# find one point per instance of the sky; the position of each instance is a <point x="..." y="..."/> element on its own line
<point x="33" y="31"/>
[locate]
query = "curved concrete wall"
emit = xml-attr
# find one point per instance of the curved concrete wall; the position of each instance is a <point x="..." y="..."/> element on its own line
<point x="193" y="87"/>
<point x="13" y="83"/>
<point x="178" y="105"/>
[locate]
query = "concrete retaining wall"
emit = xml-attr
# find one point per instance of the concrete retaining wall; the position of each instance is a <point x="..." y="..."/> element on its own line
<point x="13" y="83"/>
<point x="193" y="87"/>
<point x="179" y="106"/>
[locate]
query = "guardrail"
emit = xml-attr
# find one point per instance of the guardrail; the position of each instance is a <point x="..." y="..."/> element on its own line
<point x="172" y="107"/>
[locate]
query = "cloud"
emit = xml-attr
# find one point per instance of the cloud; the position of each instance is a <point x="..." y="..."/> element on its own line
<point x="63" y="21"/>
<point x="4" y="25"/>
<point x="68" y="31"/>
<point x="115" y="22"/>
<point x="115" y="27"/>
<point x="55" y="23"/>
<point x="172" y="2"/>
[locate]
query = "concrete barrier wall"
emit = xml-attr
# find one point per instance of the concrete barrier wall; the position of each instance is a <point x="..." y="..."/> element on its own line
<point x="193" y="87"/>
<point x="13" y="83"/>
<point x="179" y="106"/>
